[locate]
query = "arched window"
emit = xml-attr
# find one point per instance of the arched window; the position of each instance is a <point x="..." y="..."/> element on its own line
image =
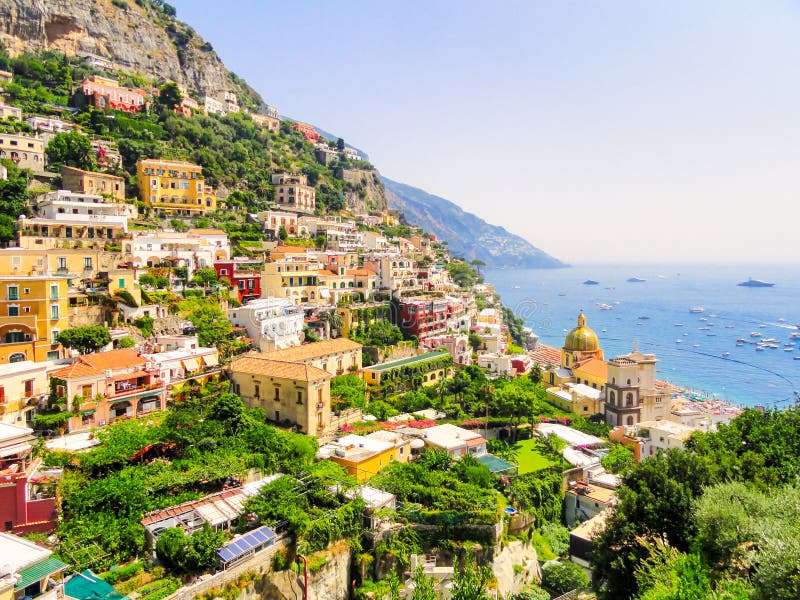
<point x="613" y="381"/>
<point x="629" y="399"/>
<point x="612" y="397"/>
<point x="16" y="357"/>
<point x="629" y="381"/>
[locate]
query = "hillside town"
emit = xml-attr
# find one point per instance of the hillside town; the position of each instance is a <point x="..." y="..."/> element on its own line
<point x="255" y="382"/>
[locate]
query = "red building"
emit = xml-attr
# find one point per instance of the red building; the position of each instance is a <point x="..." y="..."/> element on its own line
<point x="27" y="492"/>
<point x="307" y="130"/>
<point x="245" y="278"/>
<point x="104" y="93"/>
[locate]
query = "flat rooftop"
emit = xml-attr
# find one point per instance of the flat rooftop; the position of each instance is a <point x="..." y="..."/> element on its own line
<point x="403" y="362"/>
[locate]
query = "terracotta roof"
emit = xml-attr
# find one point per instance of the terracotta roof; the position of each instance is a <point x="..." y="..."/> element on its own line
<point x="312" y="350"/>
<point x="366" y="272"/>
<point x="327" y="273"/>
<point x="291" y="249"/>
<point x="593" y="366"/>
<point x="546" y="355"/>
<point x="258" y="364"/>
<point x="96" y="364"/>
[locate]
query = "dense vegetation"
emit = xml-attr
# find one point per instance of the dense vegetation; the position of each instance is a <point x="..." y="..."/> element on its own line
<point x="719" y="518"/>
<point x="192" y="450"/>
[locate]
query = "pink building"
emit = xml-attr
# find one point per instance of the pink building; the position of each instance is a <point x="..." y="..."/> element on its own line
<point x="457" y="345"/>
<point x="104" y="92"/>
<point x="105" y="387"/>
<point x="27" y="492"/>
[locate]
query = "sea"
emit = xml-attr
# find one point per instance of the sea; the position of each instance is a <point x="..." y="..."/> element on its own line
<point x="697" y="351"/>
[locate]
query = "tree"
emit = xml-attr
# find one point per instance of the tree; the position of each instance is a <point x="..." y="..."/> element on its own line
<point x="340" y="145"/>
<point x="172" y="545"/>
<point x="126" y="342"/>
<point x="348" y="390"/>
<point x="7" y="231"/>
<point x="85" y="339"/>
<point x="211" y="324"/>
<point x="423" y="585"/>
<point x="205" y="276"/>
<point x="477" y="263"/>
<point x="562" y="577"/>
<point x="475" y="341"/>
<point x="619" y="459"/>
<point x="469" y="580"/>
<point x="71" y="149"/>
<point x="169" y="96"/>
<point x="282" y="233"/>
<point x="14" y="193"/>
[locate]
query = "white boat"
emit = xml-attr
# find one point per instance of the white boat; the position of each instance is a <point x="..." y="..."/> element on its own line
<point x="788" y="349"/>
<point x="726" y="354"/>
<point x="795" y="335"/>
<point x="797" y="357"/>
<point x="762" y="325"/>
<point x="768" y="341"/>
<point x="760" y="348"/>
<point x="678" y="341"/>
<point x="755" y="334"/>
<point x="678" y="324"/>
<point x="713" y="316"/>
<point x="603" y="306"/>
<point x="697" y="309"/>
<point x="695" y="345"/>
<point x="740" y="344"/>
<point x="703" y="319"/>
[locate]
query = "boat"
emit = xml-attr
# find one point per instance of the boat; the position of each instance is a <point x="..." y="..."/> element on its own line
<point x="695" y="345"/>
<point x="797" y="357"/>
<point x="755" y="283"/>
<point x="643" y="318"/>
<point x="788" y="349"/>
<point x="755" y="334"/>
<point x="591" y="282"/>
<point x="789" y="344"/>
<point x="768" y="341"/>
<point x="711" y="334"/>
<point x="636" y="280"/>
<point x="604" y="331"/>
<point x="516" y="287"/>
<point x="697" y="309"/>
<point x="726" y="354"/>
<point x="602" y="306"/>
<point x="611" y="287"/>
<point x="678" y="341"/>
<point x="781" y="319"/>
<point x="706" y="328"/>
<point x="729" y="326"/>
<point x="678" y="324"/>
<point x="703" y="319"/>
<point x="562" y="294"/>
<point x="795" y="335"/>
<point x="760" y="348"/>
<point x="740" y="344"/>
<point x="763" y="325"/>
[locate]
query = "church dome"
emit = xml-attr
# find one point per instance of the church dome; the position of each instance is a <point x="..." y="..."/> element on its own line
<point x="582" y="338"/>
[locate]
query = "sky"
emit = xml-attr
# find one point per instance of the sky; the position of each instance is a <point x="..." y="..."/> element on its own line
<point x="605" y="130"/>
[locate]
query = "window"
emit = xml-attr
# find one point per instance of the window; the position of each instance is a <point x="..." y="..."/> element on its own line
<point x="54" y="291"/>
<point x="16" y="262"/>
<point x="54" y="336"/>
<point x="26" y="291"/>
<point x="299" y="397"/>
<point x="121" y="283"/>
<point x="629" y="399"/>
<point x="54" y="311"/>
<point x="52" y="355"/>
<point x="27" y="309"/>
<point x="277" y="394"/>
<point x="62" y="262"/>
<point x="17" y="357"/>
<point x="13" y="310"/>
<point x="28" y="388"/>
<point x="257" y="392"/>
<point x="13" y="292"/>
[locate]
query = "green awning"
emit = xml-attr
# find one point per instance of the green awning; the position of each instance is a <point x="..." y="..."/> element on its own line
<point x="38" y="572"/>
<point x="86" y="413"/>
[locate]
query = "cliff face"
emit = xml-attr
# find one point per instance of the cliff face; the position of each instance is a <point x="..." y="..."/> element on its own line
<point x="369" y="193"/>
<point x="136" y="38"/>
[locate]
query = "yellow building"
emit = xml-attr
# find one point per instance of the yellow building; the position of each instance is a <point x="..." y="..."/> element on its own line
<point x="22" y="384"/>
<point x="337" y="356"/>
<point x="33" y="311"/>
<point x="89" y="182"/>
<point x="77" y="262"/>
<point x="292" y="393"/>
<point x="430" y="368"/>
<point x="174" y="187"/>
<point x="362" y="457"/>
<point x="294" y="279"/>
<point x="581" y="359"/>
<point x="576" y="398"/>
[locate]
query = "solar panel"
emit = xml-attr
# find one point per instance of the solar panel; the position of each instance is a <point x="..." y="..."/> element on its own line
<point x="255" y="539"/>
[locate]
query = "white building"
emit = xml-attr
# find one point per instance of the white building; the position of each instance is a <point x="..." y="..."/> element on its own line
<point x="660" y="436"/>
<point x="84" y="209"/>
<point x="272" y="323"/>
<point x="456" y="441"/>
<point x="212" y="106"/>
<point x="187" y="360"/>
<point x="50" y="125"/>
<point x="195" y="249"/>
<point x="395" y="272"/>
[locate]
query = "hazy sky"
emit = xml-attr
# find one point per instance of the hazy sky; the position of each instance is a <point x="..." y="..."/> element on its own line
<point x="598" y="130"/>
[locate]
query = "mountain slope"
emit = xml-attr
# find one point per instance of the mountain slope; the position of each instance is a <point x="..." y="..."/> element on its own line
<point x="466" y="234"/>
<point x="136" y="35"/>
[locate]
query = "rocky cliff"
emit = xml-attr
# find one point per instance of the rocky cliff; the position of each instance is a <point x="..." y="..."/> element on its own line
<point x="135" y="34"/>
<point x="466" y="234"/>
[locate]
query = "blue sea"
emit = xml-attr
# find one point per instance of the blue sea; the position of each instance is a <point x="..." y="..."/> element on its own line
<point x="655" y="314"/>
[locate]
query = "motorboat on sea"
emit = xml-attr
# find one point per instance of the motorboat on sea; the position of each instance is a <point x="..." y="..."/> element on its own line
<point x="643" y="318"/>
<point x="768" y="341"/>
<point x="740" y="344"/>
<point x="695" y="345"/>
<point x="755" y="334"/>
<point x="755" y="283"/>
<point x="760" y="348"/>
<point x="678" y="324"/>
<point x="635" y="280"/>
<point x="591" y="282"/>
<point x="795" y="335"/>
<point x="697" y="309"/>
<point x="602" y="306"/>
<point x="679" y="341"/>
<point x="726" y="354"/>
